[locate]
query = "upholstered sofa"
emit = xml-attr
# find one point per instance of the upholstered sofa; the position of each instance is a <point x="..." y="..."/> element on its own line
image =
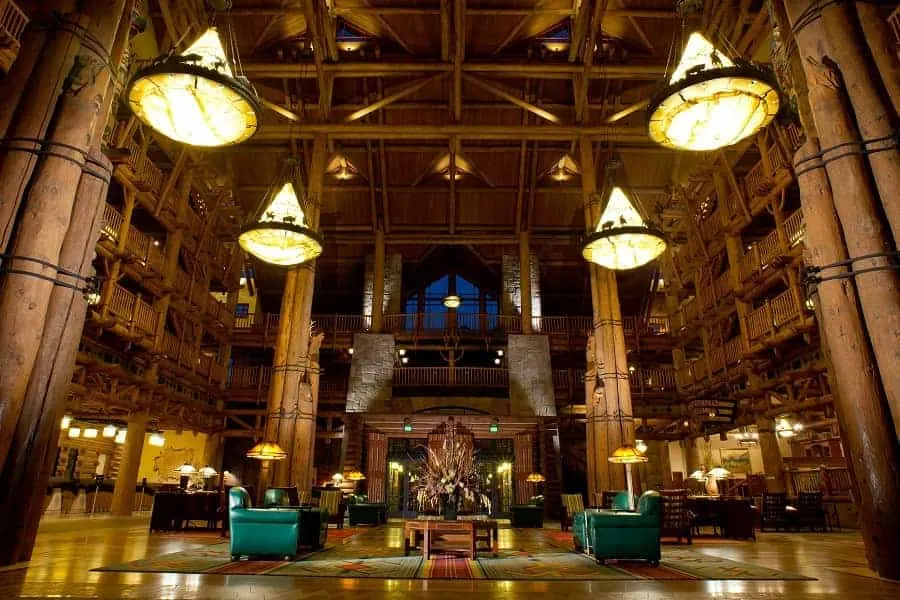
<point x="529" y="515"/>
<point x="621" y="534"/>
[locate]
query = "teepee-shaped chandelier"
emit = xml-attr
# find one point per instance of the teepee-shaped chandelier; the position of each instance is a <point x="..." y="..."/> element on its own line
<point x="280" y="236"/>
<point x="711" y="101"/>
<point x="195" y="98"/>
<point x="622" y="240"/>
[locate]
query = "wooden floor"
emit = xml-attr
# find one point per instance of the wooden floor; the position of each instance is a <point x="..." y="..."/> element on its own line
<point x="68" y="548"/>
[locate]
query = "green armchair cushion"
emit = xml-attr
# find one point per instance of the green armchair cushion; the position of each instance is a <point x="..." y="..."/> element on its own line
<point x="261" y="532"/>
<point x="627" y="535"/>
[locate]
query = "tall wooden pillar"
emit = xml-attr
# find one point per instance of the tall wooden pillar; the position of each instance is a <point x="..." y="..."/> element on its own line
<point x="378" y="283"/>
<point x="129" y="465"/>
<point x="292" y="409"/>
<point x="854" y="200"/>
<point x="773" y="465"/>
<point x="867" y="435"/>
<point x="610" y="420"/>
<point x="525" y="282"/>
<point x="883" y="47"/>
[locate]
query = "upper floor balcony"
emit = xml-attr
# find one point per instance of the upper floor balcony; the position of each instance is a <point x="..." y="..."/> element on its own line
<point x="12" y="25"/>
<point x="563" y="331"/>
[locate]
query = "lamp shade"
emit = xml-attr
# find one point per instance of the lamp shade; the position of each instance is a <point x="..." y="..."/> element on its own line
<point x="355" y="476"/>
<point x="627" y="455"/>
<point x="710" y="102"/>
<point x="535" y="478"/>
<point x="641" y="446"/>
<point x="452" y="301"/>
<point x="91" y="432"/>
<point x="267" y="451"/>
<point x="280" y="236"/>
<point x="121" y="435"/>
<point x="65" y="422"/>
<point x="719" y="472"/>
<point x="207" y="472"/>
<point x="699" y="475"/>
<point x="622" y="240"/>
<point x="194" y="98"/>
<point x="109" y="431"/>
<point x="187" y="469"/>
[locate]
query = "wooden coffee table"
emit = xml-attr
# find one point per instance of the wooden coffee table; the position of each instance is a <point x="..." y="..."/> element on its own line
<point x="459" y="536"/>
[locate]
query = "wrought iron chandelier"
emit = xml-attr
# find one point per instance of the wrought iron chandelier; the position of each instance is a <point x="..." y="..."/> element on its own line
<point x="280" y="236"/>
<point x="195" y="97"/>
<point x="711" y="101"/>
<point x="622" y="240"/>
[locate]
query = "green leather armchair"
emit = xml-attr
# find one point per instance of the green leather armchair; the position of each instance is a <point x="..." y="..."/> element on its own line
<point x="625" y="534"/>
<point x="261" y="532"/>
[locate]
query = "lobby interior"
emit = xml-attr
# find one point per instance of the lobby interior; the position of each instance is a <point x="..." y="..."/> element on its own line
<point x="531" y="297"/>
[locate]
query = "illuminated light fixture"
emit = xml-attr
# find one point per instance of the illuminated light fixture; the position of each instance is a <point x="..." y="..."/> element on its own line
<point x="397" y="467"/>
<point x="341" y="169"/>
<point x="494" y="427"/>
<point x="195" y="98"/>
<point x="640" y="446"/>
<point x="500" y="352"/>
<point x="698" y="475"/>
<point x="786" y="430"/>
<point x="622" y="240"/>
<point x="563" y="169"/>
<point x="186" y="469"/>
<point x="92" y="291"/>
<point x="121" y="435"/>
<point x="452" y="301"/>
<point x="242" y="281"/>
<point x="710" y="102"/>
<point x="337" y="478"/>
<point x="535" y="478"/>
<point x="631" y="368"/>
<point x="348" y="39"/>
<point x="157" y="439"/>
<point x="497" y="361"/>
<point x="74" y="432"/>
<point x="407" y="426"/>
<point x="280" y="237"/>
<point x="207" y="472"/>
<point x="556" y="39"/>
<point x="402" y="351"/>
<point x="355" y="476"/>
<point x="110" y="431"/>
<point x="627" y="455"/>
<point x="267" y="451"/>
<point x="504" y="467"/>
<point x="65" y="422"/>
<point x="719" y="472"/>
<point x="404" y="359"/>
<point x="91" y="433"/>
<point x="350" y="351"/>
<point x="460" y="168"/>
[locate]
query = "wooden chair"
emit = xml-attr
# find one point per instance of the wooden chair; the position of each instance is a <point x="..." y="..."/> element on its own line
<point x="571" y="504"/>
<point x="676" y="517"/>
<point x="331" y="501"/>
<point x="811" y="511"/>
<point x="774" y="511"/>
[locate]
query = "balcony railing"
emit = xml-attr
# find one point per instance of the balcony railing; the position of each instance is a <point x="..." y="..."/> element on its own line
<point x="131" y="309"/>
<point x="12" y="20"/>
<point x="147" y="175"/>
<point x="451" y="377"/>
<point x="762" y="253"/>
<point x="112" y="223"/>
<point x="773" y="314"/>
<point x="647" y="380"/>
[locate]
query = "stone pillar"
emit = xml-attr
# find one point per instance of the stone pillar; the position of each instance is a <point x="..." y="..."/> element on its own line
<point x="378" y="284"/>
<point x="854" y="199"/>
<point x="868" y="438"/>
<point x="371" y="373"/>
<point x="525" y="282"/>
<point x="530" y="376"/>
<point x="123" y="493"/>
<point x="771" y="455"/>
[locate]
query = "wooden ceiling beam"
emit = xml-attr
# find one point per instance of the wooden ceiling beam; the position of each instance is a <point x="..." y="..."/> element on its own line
<point x="364" y="131"/>
<point x="408" y="11"/>
<point x="385" y="68"/>
<point x="398" y="95"/>
<point x="507" y="95"/>
<point x="445" y="30"/>
<point x="459" y="34"/>
<point x="358" y="189"/>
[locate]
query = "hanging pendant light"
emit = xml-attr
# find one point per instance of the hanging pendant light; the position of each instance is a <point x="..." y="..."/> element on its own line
<point x="267" y="451"/>
<point x="627" y="455"/>
<point x="195" y="98"/>
<point x="711" y="101"/>
<point x="622" y="240"/>
<point x="281" y="237"/>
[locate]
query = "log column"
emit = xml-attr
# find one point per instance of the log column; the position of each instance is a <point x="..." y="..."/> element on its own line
<point x="292" y="404"/>
<point x="129" y="465"/>
<point x="771" y="455"/>
<point x="883" y="47"/>
<point x="854" y="199"/>
<point x="610" y="420"/>
<point x="868" y="438"/>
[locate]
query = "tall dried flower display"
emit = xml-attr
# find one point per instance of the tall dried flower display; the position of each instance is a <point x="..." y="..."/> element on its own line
<point x="449" y="476"/>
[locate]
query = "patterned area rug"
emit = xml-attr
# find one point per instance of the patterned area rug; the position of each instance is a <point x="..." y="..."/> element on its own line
<point x="524" y="554"/>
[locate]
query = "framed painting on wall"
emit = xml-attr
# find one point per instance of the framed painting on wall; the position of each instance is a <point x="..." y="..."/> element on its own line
<point x="736" y="460"/>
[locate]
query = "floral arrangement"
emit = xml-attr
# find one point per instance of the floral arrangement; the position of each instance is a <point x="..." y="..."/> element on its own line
<point x="449" y="475"/>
